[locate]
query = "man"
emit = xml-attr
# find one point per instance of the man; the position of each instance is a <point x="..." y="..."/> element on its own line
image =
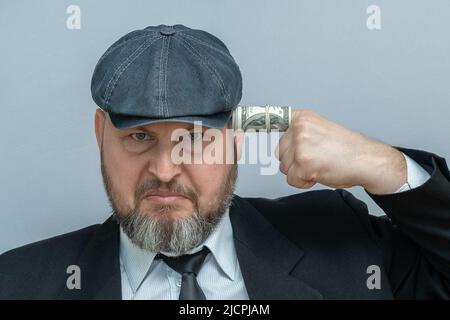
<point x="179" y="232"/>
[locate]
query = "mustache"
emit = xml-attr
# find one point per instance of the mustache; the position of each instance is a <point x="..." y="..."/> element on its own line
<point x="172" y="186"/>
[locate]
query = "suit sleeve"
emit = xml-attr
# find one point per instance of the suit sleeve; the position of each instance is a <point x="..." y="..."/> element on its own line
<point x="415" y="235"/>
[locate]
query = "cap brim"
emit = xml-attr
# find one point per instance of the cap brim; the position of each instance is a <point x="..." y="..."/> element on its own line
<point x="217" y="120"/>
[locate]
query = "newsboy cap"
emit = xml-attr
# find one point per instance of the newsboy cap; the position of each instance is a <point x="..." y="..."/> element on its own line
<point x="167" y="73"/>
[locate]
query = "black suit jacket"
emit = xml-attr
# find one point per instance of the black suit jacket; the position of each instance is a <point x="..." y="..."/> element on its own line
<point x="312" y="245"/>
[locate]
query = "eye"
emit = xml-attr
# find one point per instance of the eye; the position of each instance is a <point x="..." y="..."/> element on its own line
<point x="195" y="136"/>
<point x="140" y="136"/>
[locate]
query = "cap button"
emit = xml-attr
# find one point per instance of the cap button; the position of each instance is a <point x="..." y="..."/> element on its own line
<point x="167" y="31"/>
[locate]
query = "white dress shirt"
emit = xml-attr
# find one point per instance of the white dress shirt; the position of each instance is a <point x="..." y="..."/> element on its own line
<point x="220" y="276"/>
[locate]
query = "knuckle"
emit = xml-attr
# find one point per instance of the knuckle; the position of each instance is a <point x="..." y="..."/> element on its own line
<point x="310" y="176"/>
<point x="282" y="167"/>
<point x="308" y="111"/>
<point x="301" y="121"/>
<point x="305" y="113"/>
<point x="303" y="126"/>
<point x="290" y="180"/>
<point x="302" y="158"/>
<point x="301" y="137"/>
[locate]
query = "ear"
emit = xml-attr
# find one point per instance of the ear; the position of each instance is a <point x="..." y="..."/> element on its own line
<point x="99" y="125"/>
<point x="238" y="140"/>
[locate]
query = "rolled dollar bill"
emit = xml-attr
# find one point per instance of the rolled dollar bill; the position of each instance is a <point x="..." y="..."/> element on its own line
<point x="262" y="118"/>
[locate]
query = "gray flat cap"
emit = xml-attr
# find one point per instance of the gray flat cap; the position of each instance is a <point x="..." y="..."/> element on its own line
<point x="167" y="73"/>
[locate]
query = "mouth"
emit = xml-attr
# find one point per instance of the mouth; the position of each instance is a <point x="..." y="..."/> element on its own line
<point x="164" y="197"/>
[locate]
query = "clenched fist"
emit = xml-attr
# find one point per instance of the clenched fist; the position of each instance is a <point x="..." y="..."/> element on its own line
<point x="317" y="150"/>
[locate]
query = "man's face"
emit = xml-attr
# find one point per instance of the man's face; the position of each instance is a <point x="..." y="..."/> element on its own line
<point x="157" y="201"/>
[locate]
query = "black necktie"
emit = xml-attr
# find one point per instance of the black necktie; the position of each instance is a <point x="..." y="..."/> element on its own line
<point x="188" y="266"/>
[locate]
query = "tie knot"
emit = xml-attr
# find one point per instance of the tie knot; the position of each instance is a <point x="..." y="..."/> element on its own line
<point x="187" y="263"/>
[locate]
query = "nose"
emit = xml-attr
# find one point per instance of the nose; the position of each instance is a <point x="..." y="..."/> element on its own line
<point x="161" y="164"/>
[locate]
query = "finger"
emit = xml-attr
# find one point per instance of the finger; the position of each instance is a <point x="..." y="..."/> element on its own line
<point x="307" y="185"/>
<point x="294" y="178"/>
<point x="287" y="160"/>
<point x="283" y="145"/>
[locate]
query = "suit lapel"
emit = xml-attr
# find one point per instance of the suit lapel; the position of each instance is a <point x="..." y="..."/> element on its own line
<point x="100" y="266"/>
<point x="266" y="257"/>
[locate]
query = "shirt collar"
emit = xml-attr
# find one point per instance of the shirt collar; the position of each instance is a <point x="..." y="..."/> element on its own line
<point x="137" y="262"/>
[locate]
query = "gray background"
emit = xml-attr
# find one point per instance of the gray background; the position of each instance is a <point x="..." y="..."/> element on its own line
<point x="392" y="84"/>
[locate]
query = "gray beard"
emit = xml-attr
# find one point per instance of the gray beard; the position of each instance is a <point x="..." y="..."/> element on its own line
<point x="178" y="237"/>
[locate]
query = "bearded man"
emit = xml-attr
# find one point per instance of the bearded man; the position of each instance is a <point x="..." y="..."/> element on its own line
<point x="178" y="231"/>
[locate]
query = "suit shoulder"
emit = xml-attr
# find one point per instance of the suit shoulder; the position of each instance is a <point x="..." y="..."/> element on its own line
<point x="40" y="254"/>
<point x="333" y="214"/>
<point x="318" y="201"/>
